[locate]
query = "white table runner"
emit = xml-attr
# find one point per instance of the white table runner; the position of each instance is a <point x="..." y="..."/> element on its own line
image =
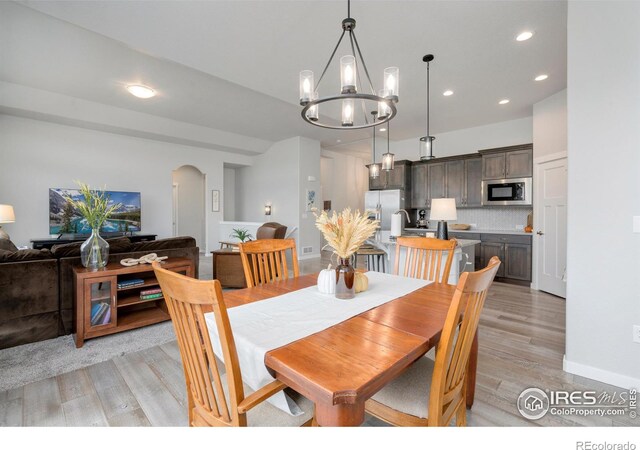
<point x="268" y="324"/>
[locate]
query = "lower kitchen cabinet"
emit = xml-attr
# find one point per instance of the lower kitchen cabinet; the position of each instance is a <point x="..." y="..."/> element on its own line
<point x="489" y="250"/>
<point x="513" y="250"/>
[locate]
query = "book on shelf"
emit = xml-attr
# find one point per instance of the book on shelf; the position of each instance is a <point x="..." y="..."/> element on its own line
<point x="151" y="296"/>
<point x="130" y="283"/>
<point x="151" y="291"/>
<point x="100" y="314"/>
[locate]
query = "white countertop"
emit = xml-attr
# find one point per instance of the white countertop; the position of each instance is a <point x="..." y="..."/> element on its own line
<point x="386" y="241"/>
<point x="473" y="230"/>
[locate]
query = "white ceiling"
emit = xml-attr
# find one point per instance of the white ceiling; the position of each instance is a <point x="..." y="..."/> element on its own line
<point x="233" y="65"/>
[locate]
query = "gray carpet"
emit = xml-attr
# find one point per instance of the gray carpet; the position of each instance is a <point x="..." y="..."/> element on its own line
<point x="33" y="362"/>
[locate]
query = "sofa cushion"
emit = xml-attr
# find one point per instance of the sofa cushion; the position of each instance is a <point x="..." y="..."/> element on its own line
<point x="6" y="244"/>
<point x="164" y="244"/>
<point x="24" y="255"/>
<point x="116" y="245"/>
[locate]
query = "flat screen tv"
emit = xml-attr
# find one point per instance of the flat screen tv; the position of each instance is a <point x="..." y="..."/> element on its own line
<point x="63" y="218"/>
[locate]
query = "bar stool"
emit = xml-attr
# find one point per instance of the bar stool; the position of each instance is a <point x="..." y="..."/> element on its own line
<point x="375" y="258"/>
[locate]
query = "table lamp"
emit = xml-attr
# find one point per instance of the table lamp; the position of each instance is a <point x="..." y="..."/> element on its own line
<point x="6" y="216"/>
<point x="443" y="209"/>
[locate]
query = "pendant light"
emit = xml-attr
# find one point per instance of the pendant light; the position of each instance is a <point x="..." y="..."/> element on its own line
<point x="374" y="168"/>
<point x="426" y="141"/>
<point x="388" y="158"/>
<point x="352" y="88"/>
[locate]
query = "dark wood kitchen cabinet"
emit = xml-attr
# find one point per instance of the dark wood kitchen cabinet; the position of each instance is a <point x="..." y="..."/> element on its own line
<point x="398" y="178"/>
<point x="507" y="162"/>
<point x="419" y="186"/>
<point x="436" y="184"/>
<point x="513" y="250"/>
<point x="473" y="182"/>
<point x="454" y="181"/>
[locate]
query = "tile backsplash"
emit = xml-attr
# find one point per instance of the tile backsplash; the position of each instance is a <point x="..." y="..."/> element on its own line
<point x="494" y="218"/>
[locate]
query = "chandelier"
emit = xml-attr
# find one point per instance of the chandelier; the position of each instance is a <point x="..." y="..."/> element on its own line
<point x="426" y="141"/>
<point x="351" y="83"/>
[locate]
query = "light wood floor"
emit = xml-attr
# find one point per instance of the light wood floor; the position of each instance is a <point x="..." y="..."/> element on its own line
<point x="521" y="339"/>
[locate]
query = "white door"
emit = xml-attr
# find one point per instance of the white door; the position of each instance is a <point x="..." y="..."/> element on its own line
<point x="550" y="226"/>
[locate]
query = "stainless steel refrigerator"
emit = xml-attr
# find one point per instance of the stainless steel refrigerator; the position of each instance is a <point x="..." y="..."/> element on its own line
<point x="384" y="203"/>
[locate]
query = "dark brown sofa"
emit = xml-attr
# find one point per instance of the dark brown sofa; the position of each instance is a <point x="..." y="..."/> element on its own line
<point x="29" y="308"/>
<point x="36" y="286"/>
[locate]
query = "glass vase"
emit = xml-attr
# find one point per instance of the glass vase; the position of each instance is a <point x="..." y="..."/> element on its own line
<point x="94" y="252"/>
<point x="345" y="278"/>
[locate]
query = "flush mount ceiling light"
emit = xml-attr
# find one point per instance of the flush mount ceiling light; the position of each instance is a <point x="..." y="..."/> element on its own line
<point x="541" y="77"/>
<point x="426" y="141"/>
<point x="141" y="91"/>
<point x="447" y="93"/>
<point x="524" y="36"/>
<point x="351" y="100"/>
<point x="504" y="101"/>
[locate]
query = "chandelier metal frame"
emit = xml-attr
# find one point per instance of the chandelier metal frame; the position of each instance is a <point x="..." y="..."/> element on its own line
<point x="348" y="26"/>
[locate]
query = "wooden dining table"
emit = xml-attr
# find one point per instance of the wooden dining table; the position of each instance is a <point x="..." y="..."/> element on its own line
<point x="342" y="366"/>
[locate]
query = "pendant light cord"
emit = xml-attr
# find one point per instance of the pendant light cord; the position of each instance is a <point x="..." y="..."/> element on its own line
<point x="428" y="136"/>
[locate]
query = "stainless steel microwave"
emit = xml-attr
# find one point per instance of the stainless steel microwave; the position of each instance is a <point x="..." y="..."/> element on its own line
<point x="514" y="191"/>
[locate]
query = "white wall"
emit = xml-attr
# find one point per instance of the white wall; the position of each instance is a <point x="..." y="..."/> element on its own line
<point x="190" y="208"/>
<point x="309" y="167"/>
<point x="603" y="190"/>
<point x="469" y="140"/>
<point x="345" y="179"/>
<point x="39" y="155"/>
<point x="229" y="194"/>
<point x="550" y="125"/>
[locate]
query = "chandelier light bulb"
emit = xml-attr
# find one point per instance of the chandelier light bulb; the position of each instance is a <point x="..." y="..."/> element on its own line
<point x="391" y="78"/>
<point x="312" y="114"/>
<point x="383" y="108"/>
<point x="306" y="86"/>
<point x="347" y="112"/>
<point x="347" y="74"/>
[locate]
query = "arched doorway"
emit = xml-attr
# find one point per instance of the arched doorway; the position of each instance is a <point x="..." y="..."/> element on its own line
<point x="189" y="187"/>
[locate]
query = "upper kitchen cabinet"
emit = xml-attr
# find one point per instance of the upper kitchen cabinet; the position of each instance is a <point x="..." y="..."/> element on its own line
<point x="507" y="162"/>
<point x="419" y="185"/>
<point x="398" y="178"/>
<point x="473" y="182"/>
<point x="458" y="177"/>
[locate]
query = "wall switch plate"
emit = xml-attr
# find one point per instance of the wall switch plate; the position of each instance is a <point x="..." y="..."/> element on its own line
<point x="474" y="225"/>
<point x="311" y="178"/>
<point x="636" y="333"/>
<point x="636" y="224"/>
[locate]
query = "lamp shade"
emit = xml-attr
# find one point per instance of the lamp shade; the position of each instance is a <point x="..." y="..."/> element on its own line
<point x="6" y="214"/>
<point x="443" y="209"/>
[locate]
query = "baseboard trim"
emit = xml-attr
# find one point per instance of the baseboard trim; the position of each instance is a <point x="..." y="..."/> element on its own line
<point x="314" y="255"/>
<point x="602" y="375"/>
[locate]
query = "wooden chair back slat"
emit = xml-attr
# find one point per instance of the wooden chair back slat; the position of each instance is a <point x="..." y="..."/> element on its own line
<point x="447" y="396"/>
<point x="265" y="260"/>
<point x="185" y="298"/>
<point x="424" y="258"/>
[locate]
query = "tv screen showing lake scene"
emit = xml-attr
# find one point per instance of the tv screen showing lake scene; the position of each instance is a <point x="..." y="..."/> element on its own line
<point x="63" y="218"/>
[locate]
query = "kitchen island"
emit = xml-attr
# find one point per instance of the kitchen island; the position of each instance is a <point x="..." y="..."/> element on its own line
<point x="463" y="257"/>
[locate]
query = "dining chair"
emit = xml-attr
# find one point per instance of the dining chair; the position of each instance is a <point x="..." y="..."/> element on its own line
<point x="431" y="393"/>
<point x="424" y="258"/>
<point x="265" y="260"/>
<point x="215" y="392"/>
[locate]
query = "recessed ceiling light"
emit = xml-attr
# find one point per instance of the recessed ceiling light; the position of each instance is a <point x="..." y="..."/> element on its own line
<point x="383" y="129"/>
<point x="338" y="140"/>
<point x="524" y="36"/>
<point x="447" y="93"/>
<point x="141" y="91"/>
<point x="504" y="101"/>
<point x="541" y="77"/>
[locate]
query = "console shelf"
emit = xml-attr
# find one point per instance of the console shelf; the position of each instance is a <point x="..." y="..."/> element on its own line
<point x="101" y="308"/>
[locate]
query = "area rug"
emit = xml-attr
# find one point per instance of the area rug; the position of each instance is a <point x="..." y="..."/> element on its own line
<point x="33" y="362"/>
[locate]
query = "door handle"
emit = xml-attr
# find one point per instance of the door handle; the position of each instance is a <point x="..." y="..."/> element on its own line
<point x="539" y="233"/>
